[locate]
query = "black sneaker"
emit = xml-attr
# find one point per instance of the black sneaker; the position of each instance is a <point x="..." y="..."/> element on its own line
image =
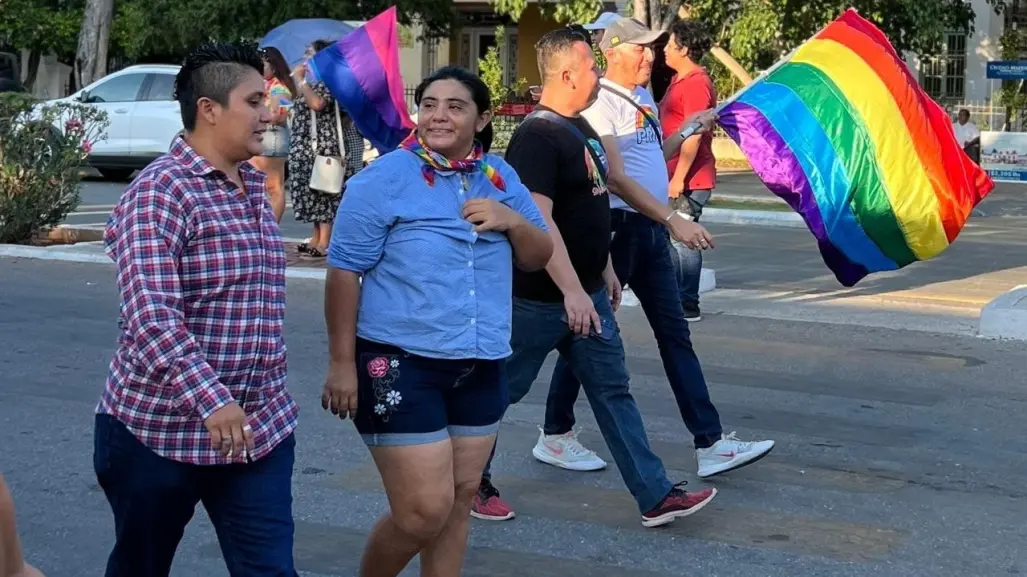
<point x="692" y="314"/>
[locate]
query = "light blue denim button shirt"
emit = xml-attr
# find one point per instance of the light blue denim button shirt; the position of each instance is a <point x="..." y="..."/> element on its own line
<point x="431" y="285"/>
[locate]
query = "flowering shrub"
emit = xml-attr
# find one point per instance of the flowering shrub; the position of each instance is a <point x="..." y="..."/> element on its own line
<point x="42" y="150"/>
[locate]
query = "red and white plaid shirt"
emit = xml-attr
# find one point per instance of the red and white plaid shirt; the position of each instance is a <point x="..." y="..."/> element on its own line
<point x="201" y="272"/>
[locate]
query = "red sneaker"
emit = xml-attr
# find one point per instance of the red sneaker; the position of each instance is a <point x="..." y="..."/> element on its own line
<point x="488" y="505"/>
<point x="677" y="503"/>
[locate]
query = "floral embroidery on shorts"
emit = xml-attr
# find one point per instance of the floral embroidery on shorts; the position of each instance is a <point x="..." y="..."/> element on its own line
<point x="384" y="370"/>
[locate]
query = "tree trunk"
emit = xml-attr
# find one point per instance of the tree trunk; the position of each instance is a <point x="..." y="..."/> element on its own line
<point x="655" y="14"/>
<point x="32" y="71"/>
<point x="91" y="56"/>
<point x="640" y="10"/>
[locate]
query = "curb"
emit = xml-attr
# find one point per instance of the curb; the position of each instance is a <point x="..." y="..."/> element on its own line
<point x="86" y="252"/>
<point x="61" y="253"/>
<point x="754" y="217"/>
<point x="1005" y="317"/>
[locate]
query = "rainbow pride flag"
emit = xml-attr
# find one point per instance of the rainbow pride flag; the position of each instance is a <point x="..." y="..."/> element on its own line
<point x="362" y="72"/>
<point x="843" y="132"/>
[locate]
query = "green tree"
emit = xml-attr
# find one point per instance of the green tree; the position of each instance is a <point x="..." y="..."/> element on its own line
<point x="490" y="69"/>
<point x="41" y="27"/>
<point x="759" y="32"/>
<point x="562" y="11"/>
<point x="170" y="27"/>
<point x="1012" y="96"/>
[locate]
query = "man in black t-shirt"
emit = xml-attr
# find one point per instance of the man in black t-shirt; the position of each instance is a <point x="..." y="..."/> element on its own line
<point x="570" y="306"/>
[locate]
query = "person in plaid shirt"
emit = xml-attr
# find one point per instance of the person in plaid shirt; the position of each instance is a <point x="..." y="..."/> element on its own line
<point x="195" y="409"/>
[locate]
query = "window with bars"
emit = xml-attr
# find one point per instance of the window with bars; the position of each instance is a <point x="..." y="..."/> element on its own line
<point x="943" y="76"/>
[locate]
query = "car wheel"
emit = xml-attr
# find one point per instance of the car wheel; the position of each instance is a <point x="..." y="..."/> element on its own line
<point x="117" y="174"/>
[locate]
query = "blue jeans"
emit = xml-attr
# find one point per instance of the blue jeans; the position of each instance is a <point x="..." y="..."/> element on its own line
<point x="641" y="258"/>
<point x="688" y="262"/>
<point x="538" y="329"/>
<point x="153" y="499"/>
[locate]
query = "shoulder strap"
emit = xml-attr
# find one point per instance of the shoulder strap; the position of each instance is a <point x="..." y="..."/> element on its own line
<point x="555" y="118"/>
<point x="645" y="114"/>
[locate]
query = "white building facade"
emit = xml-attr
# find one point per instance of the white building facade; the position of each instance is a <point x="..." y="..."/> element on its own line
<point x="957" y="74"/>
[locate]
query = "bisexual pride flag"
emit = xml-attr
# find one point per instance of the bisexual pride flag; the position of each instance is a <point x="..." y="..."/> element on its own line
<point x="362" y="72"/>
<point x="845" y="134"/>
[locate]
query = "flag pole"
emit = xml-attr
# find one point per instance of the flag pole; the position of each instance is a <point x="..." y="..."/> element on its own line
<point x="672" y="145"/>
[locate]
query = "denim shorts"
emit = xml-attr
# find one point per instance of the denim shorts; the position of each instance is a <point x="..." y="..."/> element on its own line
<point x="405" y="399"/>
<point x="276" y="141"/>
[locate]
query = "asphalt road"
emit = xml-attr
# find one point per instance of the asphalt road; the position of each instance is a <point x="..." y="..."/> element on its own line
<point x="899" y="454"/>
<point x="99" y="197"/>
<point x="987" y="258"/>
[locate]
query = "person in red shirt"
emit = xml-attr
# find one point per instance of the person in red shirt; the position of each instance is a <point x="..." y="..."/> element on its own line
<point x="693" y="171"/>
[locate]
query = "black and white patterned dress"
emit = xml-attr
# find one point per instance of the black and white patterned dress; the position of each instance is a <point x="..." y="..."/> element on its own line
<point x="311" y="205"/>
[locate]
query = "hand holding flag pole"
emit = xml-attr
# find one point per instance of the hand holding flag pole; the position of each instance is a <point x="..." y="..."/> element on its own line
<point x="844" y="133"/>
<point x="703" y="122"/>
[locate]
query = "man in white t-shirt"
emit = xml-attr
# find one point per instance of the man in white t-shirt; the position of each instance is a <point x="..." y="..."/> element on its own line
<point x="626" y="118"/>
<point x="967" y="135"/>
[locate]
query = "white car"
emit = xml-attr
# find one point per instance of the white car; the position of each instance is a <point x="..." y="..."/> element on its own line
<point x="143" y="117"/>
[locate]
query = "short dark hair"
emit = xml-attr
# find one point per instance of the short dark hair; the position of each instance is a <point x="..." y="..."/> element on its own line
<point x="556" y="43"/>
<point x="480" y="94"/>
<point x="692" y="35"/>
<point x="213" y="71"/>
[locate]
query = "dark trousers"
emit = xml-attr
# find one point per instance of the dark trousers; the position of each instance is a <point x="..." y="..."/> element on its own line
<point x="688" y="262"/>
<point x="974" y="152"/>
<point x="640" y="252"/>
<point x="539" y="329"/>
<point x="153" y="499"/>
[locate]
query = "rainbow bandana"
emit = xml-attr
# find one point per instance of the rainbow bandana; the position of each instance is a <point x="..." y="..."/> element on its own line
<point x="434" y="161"/>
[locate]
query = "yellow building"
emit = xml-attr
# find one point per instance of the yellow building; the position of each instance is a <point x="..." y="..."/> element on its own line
<point x="474" y="34"/>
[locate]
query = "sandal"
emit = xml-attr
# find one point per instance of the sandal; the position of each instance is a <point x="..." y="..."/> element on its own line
<point x="303" y="247"/>
<point x="314" y="252"/>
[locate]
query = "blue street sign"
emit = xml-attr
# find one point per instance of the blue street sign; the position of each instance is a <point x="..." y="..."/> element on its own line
<point x="1007" y="69"/>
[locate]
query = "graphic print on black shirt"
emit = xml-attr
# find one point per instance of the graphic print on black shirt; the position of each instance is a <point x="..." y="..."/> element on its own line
<point x="552" y="161"/>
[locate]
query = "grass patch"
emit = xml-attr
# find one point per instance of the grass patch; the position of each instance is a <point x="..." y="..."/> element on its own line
<point x="741" y="205"/>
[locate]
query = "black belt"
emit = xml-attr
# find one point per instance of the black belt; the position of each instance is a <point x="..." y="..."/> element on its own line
<point x="621" y="216"/>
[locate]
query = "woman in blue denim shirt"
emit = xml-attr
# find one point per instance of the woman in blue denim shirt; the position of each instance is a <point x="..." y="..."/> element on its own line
<point x="418" y="308"/>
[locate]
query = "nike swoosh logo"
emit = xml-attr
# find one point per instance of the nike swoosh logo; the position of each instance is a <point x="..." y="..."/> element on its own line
<point x="554" y="449"/>
<point x="730" y="455"/>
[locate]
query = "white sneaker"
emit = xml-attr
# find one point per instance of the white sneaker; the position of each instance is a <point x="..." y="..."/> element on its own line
<point x="566" y="452"/>
<point x="729" y="453"/>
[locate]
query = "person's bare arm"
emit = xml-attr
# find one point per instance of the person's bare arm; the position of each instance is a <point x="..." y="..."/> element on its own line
<point x="10" y="549"/>
<point x="628" y="188"/>
<point x="559" y="267"/>
<point x="342" y="298"/>
<point x="314" y="100"/>
<point x="532" y="246"/>
<point x="581" y="312"/>
<point x="692" y="234"/>
<point x="689" y="149"/>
